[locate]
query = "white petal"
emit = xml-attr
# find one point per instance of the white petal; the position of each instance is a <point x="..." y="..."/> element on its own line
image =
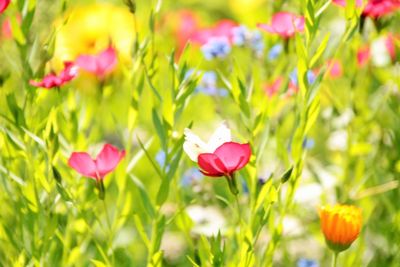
<point x="193" y="145"/>
<point x="221" y="135"/>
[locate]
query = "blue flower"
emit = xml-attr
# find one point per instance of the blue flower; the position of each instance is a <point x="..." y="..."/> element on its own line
<point x="216" y="48"/>
<point x="161" y="158"/>
<point x="275" y="51"/>
<point x="307" y="263"/>
<point x="242" y="36"/>
<point x="310" y="77"/>
<point x="239" y="35"/>
<point x="308" y="143"/>
<point x="191" y="176"/>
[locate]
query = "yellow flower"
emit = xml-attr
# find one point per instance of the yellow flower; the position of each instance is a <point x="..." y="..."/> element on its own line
<point x="91" y="28"/>
<point x="341" y="225"/>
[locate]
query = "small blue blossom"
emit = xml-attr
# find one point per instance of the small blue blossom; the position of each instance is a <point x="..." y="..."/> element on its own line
<point x="208" y="85"/>
<point x="191" y="176"/>
<point x="310" y="77"/>
<point x="161" y="158"/>
<point x="275" y="51"/>
<point x="239" y="35"/>
<point x="307" y="263"/>
<point x="216" y="48"/>
<point x="257" y="43"/>
<point x="308" y="143"/>
<point x="242" y="36"/>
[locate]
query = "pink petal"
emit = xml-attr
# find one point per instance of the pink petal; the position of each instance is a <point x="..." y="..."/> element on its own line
<point x="99" y="64"/>
<point x="272" y="89"/>
<point x="3" y="5"/>
<point x="390" y="46"/>
<point x="83" y="164"/>
<point x="211" y="165"/>
<point x="108" y="159"/>
<point x="234" y="156"/>
<point x="363" y="55"/>
<point x="106" y="61"/>
<point x="265" y="27"/>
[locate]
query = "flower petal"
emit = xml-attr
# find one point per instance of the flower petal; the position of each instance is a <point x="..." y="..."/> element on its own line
<point x="234" y="156"/>
<point x="108" y="159"/>
<point x="83" y="164"/>
<point x="211" y="165"/>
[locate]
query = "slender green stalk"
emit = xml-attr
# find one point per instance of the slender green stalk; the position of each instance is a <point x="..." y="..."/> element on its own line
<point x="334" y="259"/>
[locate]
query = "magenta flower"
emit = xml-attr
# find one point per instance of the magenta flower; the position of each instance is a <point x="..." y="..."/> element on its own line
<point x="225" y="161"/>
<point x="105" y="162"/>
<point x="335" y="68"/>
<point x="272" y="88"/>
<point x="223" y="28"/>
<point x="100" y="64"/>
<point x="52" y="80"/>
<point x="343" y="3"/>
<point x="378" y="8"/>
<point x="3" y="5"/>
<point x="285" y="24"/>
<point x="363" y="55"/>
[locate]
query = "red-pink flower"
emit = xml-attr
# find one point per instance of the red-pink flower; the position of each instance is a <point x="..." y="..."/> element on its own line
<point x="273" y="88"/>
<point x="6" y="27"/>
<point x="390" y="46"/>
<point x="52" y="80"/>
<point x="225" y="160"/>
<point x="3" y="5"/>
<point x="343" y="3"/>
<point x="105" y="162"/>
<point x="363" y="55"/>
<point x="335" y="68"/>
<point x="100" y="64"/>
<point x="285" y="24"/>
<point x="379" y="8"/>
<point x="222" y="29"/>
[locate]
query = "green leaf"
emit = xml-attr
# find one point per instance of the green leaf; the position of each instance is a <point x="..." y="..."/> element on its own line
<point x="148" y="205"/>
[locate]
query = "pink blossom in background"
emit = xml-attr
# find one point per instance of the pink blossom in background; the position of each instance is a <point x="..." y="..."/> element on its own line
<point x="363" y="55"/>
<point x="99" y="64"/>
<point x="106" y="161"/>
<point x="379" y="8"/>
<point x="335" y="68"/>
<point x="390" y="46"/>
<point x="187" y="26"/>
<point x="223" y="28"/>
<point x="52" y="80"/>
<point x="285" y="24"/>
<point x="225" y="160"/>
<point x="6" y="27"/>
<point x="3" y="5"/>
<point x="343" y="2"/>
<point x="273" y="88"/>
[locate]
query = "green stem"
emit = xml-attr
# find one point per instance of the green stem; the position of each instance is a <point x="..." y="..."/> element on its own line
<point x="334" y="259"/>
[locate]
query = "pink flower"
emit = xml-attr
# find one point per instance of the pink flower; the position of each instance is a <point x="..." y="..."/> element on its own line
<point x="3" y="5"/>
<point x="379" y="8"/>
<point x="100" y="64"/>
<point x="105" y="162"/>
<point x="363" y="55"/>
<point x="222" y="29"/>
<point x="273" y="88"/>
<point x="52" y="80"/>
<point x="226" y="159"/>
<point x="285" y="24"/>
<point x="335" y="68"/>
<point x="343" y="3"/>
<point x="390" y="46"/>
<point x="6" y="27"/>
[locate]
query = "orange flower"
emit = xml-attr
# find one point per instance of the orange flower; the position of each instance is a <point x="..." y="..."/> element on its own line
<point x="341" y="225"/>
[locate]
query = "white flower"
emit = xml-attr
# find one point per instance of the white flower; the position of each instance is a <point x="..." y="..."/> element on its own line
<point x="207" y="221"/>
<point x="379" y="53"/>
<point x="194" y="145"/>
